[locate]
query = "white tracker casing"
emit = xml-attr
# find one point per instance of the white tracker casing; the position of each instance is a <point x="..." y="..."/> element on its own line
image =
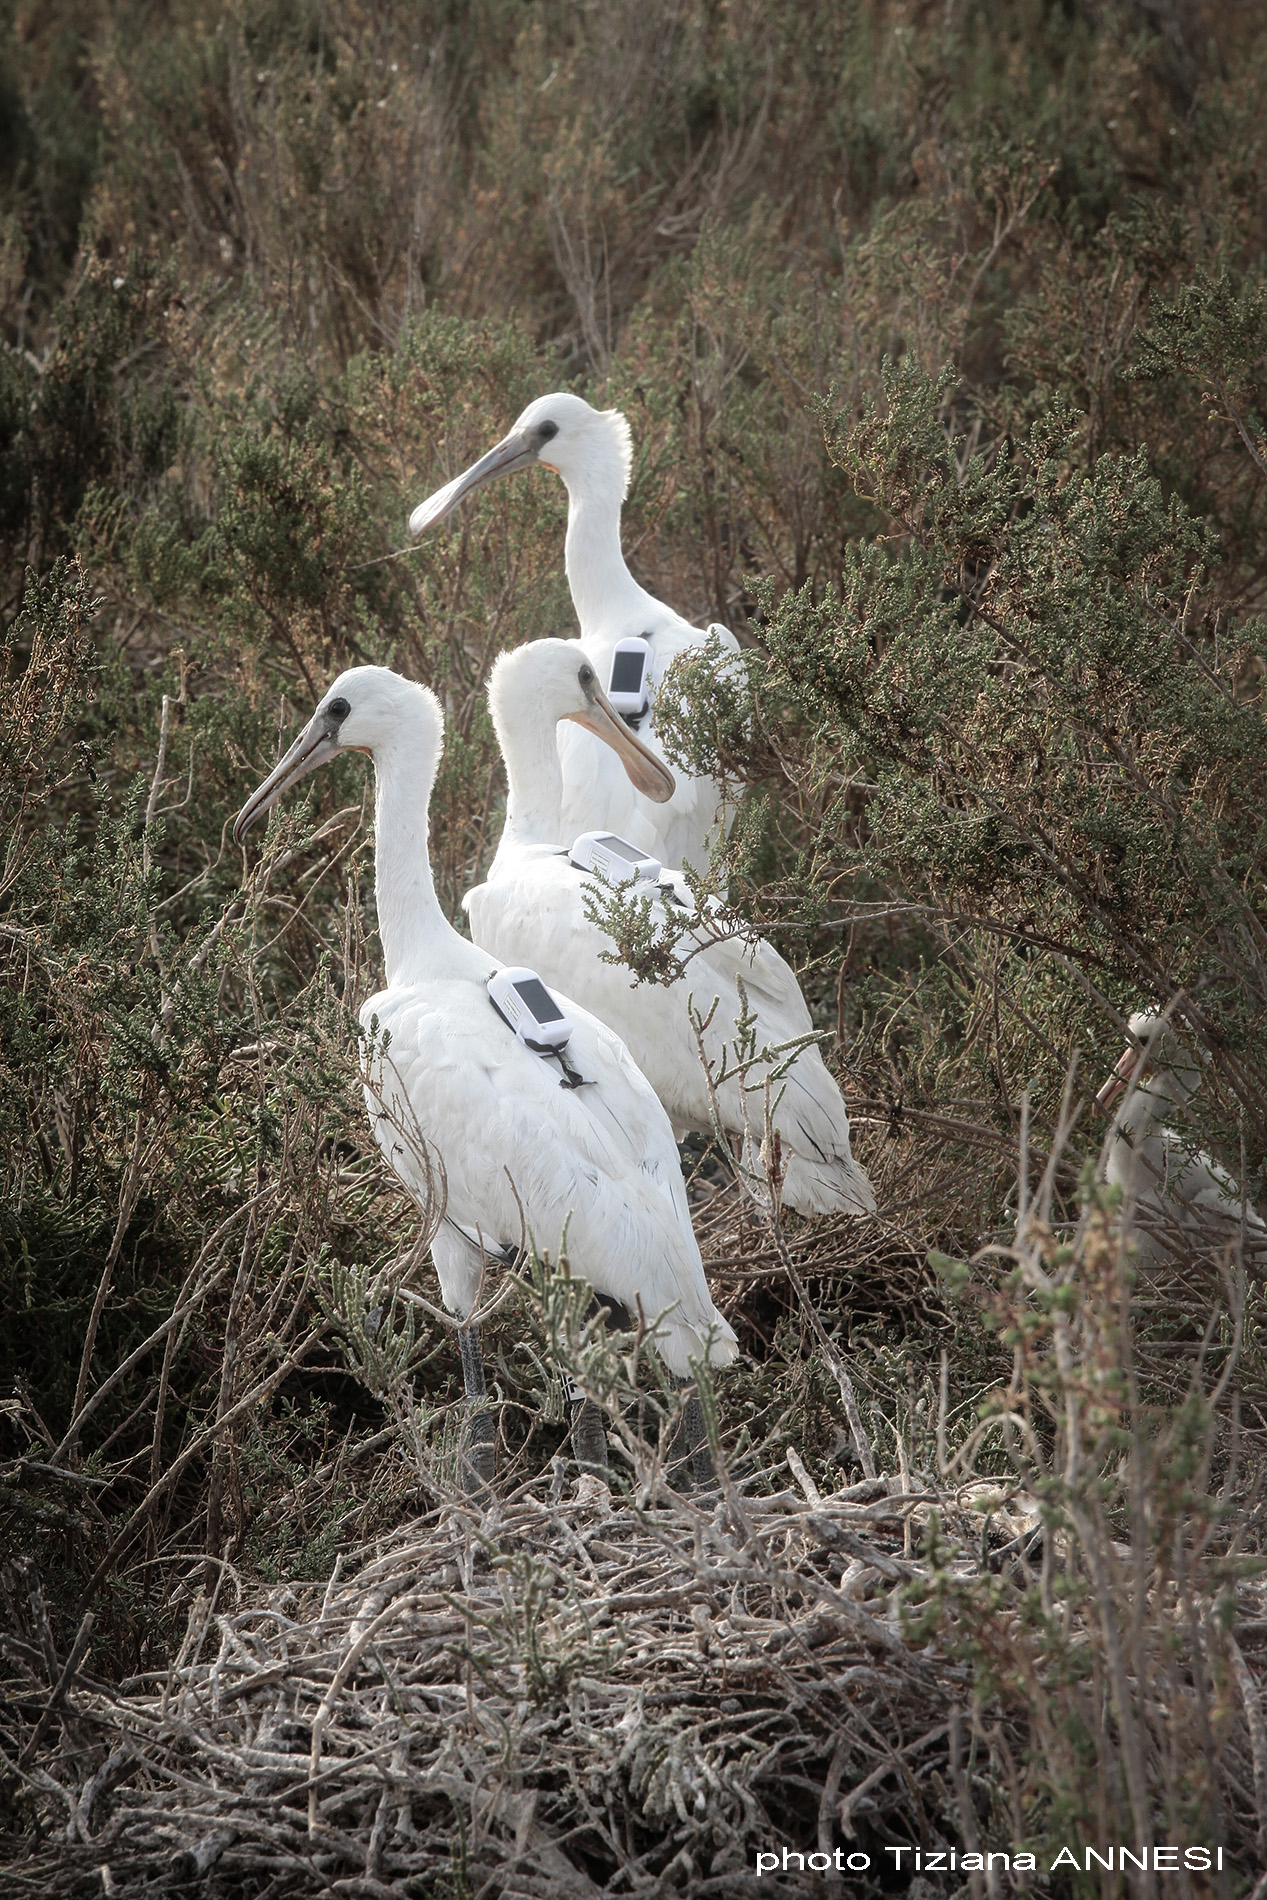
<point x="629" y="687"/>
<point x="522" y="1000"/>
<point x="614" y="859"/>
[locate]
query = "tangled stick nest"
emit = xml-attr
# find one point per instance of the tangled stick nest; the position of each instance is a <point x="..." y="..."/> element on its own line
<point x="556" y="1697"/>
<point x="638" y="1694"/>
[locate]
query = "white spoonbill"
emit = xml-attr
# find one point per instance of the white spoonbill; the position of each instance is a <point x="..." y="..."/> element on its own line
<point x="591" y="450"/>
<point x="532" y="908"/>
<point x="1167" y="1189"/>
<point x="516" y="1141"/>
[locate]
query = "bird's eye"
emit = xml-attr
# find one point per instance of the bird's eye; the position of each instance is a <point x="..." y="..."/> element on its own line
<point x="338" y="709"/>
<point x="547" y="431"/>
<point x="586" y="676"/>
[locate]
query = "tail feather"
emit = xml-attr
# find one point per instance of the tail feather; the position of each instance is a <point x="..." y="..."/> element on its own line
<point x="680" y="1342"/>
<point x="836" y="1186"/>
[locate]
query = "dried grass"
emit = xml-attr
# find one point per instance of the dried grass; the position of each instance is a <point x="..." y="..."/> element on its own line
<point x="636" y="1691"/>
<point x="611" y="1697"/>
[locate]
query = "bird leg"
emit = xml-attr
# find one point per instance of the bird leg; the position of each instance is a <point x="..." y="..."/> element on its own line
<point x="477" y="1462"/>
<point x="589" y="1434"/>
<point x="689" y="1456"/>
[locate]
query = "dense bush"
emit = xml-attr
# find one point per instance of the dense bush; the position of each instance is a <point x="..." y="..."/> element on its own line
<point x="941" y="330"/>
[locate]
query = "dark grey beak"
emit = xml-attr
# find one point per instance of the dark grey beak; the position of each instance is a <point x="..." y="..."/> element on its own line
<point x="318" y="742"/>
<point x="517" y="450"/>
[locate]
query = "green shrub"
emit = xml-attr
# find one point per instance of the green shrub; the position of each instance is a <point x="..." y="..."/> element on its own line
<point x="941" y="335"/>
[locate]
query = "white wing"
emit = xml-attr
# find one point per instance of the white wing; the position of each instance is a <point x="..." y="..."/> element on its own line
<point x="1198" y="1182"/>
<point x="1175" y="1193"/>
<point x="597" y="1164"/>
<point x="533" y="911"/>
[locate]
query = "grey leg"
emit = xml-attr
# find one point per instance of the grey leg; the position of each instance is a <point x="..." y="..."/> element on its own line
<point x="690" y="1459"/>
<point x="616" y="1318"/>
<point x="477" y="1463"/>
<point x="589" y="1437"/>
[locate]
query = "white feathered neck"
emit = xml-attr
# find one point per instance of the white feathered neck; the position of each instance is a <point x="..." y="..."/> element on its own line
<point x="529" y="747"/>
<point x="418" y="940"/>
<point x="596" y="471"/>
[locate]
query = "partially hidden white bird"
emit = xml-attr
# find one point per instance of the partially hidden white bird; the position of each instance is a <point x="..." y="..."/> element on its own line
<point x="532" y="909"/>
<point x="591" y="449"/>
<point x="456" y="1094"/>
<point x="1170" y="1193"/>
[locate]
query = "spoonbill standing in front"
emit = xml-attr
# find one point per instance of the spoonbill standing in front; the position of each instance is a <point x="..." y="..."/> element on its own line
<point x="516" y="1137"/>
<point x="628" y="635"/>
<point x="532" y="907"/>
<point x="1168" y="1190"/>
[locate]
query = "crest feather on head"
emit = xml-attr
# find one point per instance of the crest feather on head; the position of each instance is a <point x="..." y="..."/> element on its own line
<point x="623" y="438"/>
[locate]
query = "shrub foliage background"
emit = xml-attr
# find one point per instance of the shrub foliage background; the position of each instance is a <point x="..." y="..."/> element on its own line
<point x="941" y="330"/>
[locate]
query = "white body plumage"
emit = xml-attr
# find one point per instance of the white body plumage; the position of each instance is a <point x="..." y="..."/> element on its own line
<point x="532" y="908"/>
<point x="1171" y="1192"/>
<point x="458" y="1101"/>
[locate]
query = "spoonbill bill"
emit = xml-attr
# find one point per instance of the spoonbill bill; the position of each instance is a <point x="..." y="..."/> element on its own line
<point x="532" y="908"/>
<point x="1167" y="1189"/>
<point x="569" y="1142"/>
<point x="591" y="449"/>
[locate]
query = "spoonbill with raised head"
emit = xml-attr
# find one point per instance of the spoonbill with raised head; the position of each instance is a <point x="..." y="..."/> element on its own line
<point x="481" y="1084"/>
<point x="628" y="635"/>
<point x="1170" y="1191"/>
<point x="532" y="906"/>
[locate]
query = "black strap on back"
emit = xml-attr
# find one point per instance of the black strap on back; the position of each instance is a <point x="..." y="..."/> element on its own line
<point x="571" y="1078"/>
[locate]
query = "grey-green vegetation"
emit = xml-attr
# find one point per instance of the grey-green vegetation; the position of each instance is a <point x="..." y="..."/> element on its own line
<point x="941" y="330"/>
